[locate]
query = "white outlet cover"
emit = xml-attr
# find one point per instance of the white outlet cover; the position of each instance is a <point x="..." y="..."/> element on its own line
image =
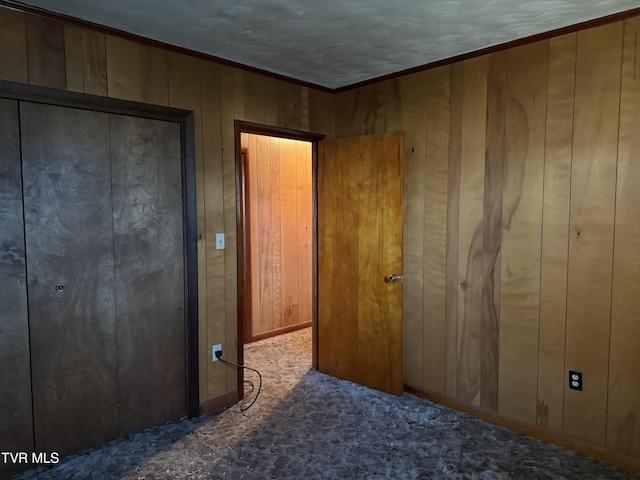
<point x="215" y="348"/>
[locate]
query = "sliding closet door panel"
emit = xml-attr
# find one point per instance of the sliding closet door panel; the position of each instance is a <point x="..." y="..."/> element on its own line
<point x="16" y="432"/>
<point x="147" y="209"/>
<point x="69" y="244"/>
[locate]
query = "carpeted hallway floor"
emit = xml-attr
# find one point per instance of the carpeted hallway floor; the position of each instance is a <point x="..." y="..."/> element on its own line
<point x="306" y="425"/>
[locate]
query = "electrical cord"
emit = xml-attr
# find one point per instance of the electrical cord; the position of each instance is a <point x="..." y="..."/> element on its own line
<point x="227" y="362"/>
<point x="253" y="387"/>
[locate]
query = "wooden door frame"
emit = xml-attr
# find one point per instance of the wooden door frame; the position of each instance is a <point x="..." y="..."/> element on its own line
<point x="64" y="98"/>
<point x="240" y="127"/>
<point x="247" y="307"/>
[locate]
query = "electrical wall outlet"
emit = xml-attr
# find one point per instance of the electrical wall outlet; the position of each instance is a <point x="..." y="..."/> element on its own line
<point x="216" y="348"/>
<point x="575" y="380"/>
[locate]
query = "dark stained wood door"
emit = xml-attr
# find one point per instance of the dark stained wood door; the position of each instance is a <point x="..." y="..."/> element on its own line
<point x="360" y="186"/>
<point x="70" y="274"/>
<point x="16" y="432"/>
<point x="149" y="271"/>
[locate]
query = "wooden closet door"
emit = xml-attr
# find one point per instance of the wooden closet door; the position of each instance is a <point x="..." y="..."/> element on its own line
<point x="69" y="245"/>
<point x="16" y="432"/>
<point x="149" y="271"/>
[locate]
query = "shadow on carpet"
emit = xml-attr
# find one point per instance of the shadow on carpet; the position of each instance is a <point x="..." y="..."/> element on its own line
<point x="307" y="425"/>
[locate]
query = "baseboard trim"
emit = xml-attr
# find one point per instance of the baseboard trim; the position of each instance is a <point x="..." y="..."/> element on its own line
<point x="599" y="453"/>
<point x="219" y="402"/>
<point x="279" y="331"/>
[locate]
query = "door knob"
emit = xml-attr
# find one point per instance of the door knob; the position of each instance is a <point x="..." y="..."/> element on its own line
<point x="393" y="278"/>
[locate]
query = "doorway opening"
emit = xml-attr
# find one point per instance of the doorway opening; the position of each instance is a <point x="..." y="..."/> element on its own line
<point x="277" y="234"/>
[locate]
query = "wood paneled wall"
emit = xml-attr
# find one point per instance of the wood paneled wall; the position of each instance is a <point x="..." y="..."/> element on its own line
<point x="522" y="229"/>
<point x="521" y="216"/>
<point x="40" y="51"/>
<point x="279" y="218"/>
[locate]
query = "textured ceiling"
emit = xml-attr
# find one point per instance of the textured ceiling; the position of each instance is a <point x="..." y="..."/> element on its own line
<point x="335" y="43"/>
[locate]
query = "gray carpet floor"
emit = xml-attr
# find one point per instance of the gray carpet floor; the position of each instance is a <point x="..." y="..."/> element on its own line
<point x="306" y="425"/>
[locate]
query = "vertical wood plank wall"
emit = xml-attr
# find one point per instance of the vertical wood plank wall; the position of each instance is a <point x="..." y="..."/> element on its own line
<point x="278" y="184"/>
<point x="45" y="52"/>
<point x="522" y="229"/>
<point x="521" y="215"/>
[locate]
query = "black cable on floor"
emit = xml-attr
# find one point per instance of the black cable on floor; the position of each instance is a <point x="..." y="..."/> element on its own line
<point x="253" y="387"/>
<point x="226" y="362"/>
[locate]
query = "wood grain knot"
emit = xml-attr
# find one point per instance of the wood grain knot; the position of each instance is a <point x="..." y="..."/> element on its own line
<point x="464" y="285"/>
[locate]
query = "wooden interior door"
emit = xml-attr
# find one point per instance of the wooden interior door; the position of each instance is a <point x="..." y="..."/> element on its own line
<point x="70" y="274"/>
<point x="149" y="271"/>
<point x="360" y="186"/>
<point x="16" y="432"/>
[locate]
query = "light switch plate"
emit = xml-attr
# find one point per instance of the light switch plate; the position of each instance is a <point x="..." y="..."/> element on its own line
<point x="219" y="241"/>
